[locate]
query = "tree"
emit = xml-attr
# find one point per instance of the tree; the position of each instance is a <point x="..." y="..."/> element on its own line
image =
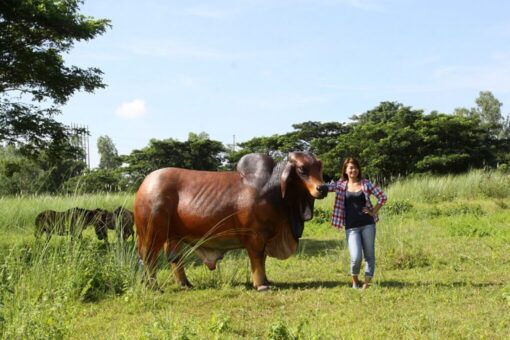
<point x="202" y="153"/>
<point x="489" y="109"/>
<point x="452" y="144"/>
<point x="198" y="153"/>
<point x="394" y="140"/>
<point x="108" y="155"/>
<point x="384" y="139"/>
<point x="45" y="172"/>
<point x="316" y="137"/>
<point x="34" y="36"/>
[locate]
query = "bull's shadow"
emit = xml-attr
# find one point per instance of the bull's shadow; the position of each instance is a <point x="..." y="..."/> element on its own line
<point x="313" y="247"/>
<point x="307" y="248"/>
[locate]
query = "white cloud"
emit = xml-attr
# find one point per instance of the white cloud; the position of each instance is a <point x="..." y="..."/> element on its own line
<point x="131" y="110"/>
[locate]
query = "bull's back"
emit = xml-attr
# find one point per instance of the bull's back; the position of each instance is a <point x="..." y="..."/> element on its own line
<point x="189" y="201"/>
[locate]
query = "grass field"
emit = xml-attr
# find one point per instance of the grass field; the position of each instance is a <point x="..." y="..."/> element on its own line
<point x="443" y="260"/>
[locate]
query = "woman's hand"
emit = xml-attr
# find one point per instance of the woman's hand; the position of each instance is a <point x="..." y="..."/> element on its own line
<point x="368" y="211"/>
<point x="371" y="211"/>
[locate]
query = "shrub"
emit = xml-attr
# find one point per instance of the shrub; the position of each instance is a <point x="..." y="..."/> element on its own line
<point x="407" y="257"/>
<point x="320" y="215"/>
<point x="469" y="229"/>
<point x="99" y="180"/>
<point x="465" y="209"/>
<point x="98" y="274"/>
<point x="398" y="207"/>
<point x="279" y="331"/>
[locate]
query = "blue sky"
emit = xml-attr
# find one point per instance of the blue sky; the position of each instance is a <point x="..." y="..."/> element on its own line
<point x="253" y="68"/>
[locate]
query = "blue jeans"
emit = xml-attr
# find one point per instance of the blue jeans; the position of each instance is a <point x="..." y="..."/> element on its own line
<point x="361" y="241"/>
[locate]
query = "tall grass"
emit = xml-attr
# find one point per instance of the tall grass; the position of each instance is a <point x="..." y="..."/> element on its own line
<point x="442" y="248"/>
<point x="434" y="189"/>
<point x="40" y="282"/>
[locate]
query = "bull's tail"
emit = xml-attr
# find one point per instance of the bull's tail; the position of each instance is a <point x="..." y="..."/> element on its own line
<point x="151" y="229"/>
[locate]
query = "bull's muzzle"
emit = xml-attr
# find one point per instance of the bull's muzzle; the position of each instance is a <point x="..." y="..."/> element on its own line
<point x="323" y="190"/>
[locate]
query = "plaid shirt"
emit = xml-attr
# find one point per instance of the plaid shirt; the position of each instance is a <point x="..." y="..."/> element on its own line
<point x="340" y="187"/>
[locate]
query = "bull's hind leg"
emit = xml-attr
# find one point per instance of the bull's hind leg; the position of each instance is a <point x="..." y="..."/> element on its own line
<point x="148" y="250"/>
<point x="174" y="256"/>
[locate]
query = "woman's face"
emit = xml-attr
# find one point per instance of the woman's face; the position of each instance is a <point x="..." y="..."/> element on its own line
<point x="352" y="171"/>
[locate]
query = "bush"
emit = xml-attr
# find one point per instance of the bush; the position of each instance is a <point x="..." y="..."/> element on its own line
<point x="407" y="257"/>
<point x="465" y="209"/>
<point x="98" y="180"/>
<point x="398" y="207"/>
<point x="279" y="331"/>
<point x="321" y="216"/>
<point x="470" y="229"/>
<point x="98" y="274"/>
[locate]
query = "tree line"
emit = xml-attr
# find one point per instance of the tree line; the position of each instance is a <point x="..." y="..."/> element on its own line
<point x="38" y="154"/>
<point x="391" y="140"/>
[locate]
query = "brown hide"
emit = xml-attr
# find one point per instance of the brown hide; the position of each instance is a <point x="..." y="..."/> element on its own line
<point x="260" y="207"/>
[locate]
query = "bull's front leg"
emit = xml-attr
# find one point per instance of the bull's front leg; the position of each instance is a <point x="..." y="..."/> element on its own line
<point x="256" y="253"/>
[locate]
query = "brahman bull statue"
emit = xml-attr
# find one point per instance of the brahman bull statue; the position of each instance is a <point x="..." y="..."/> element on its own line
<point x="260" y="207"/>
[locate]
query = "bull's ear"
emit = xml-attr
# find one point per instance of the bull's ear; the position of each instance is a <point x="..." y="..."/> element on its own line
<point x="284" y="179"/>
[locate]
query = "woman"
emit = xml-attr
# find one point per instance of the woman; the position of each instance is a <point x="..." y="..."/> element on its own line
<point x="354" y="210"/>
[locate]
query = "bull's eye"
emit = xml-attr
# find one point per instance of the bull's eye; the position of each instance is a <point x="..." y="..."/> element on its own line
<point x="302" y="171"/>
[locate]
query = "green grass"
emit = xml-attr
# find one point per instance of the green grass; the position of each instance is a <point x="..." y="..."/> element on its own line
<point x="443" y="253"/>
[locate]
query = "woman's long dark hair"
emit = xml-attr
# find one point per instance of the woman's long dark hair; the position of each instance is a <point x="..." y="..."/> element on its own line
<point x="344" y="167"/>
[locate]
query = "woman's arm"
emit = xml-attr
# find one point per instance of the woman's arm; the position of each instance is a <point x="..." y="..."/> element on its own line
<point x="378" y="193"/>
<point x="381" y="198"/>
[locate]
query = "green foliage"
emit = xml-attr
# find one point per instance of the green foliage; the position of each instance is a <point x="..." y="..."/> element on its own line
<point x="45" y="172"/>
<point x="470" y="227"/>
<point x="34" y="37"/>
<point x="279" y="331"/>
<point x="83" y="289"/>
<point x="321" y="215"/>
<point x="97" y="275"/>
<point x="393" y="140"/>
<point x="434" y="189"/>
<point x="398" y="207"/>
<point x="109" y="157"/>
<point x="220" y="324"/>
<point x="198" y="153"/>
<point x="506" y="294"/>
<point x="465" y="209"/>
<point x="489" y="111"/>
<point x="97" y="180"/>
<point x="316" y="137"/>
<point x="406" y="256"/>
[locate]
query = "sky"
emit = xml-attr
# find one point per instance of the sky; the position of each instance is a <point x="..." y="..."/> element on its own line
<point x="252" y="68"/>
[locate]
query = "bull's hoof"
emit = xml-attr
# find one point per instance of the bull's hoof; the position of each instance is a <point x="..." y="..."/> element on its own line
<point x="210" y="265"/>
<point x="186" y="285"/>
<point x="155" y="287"/>
<point x="262" y="288"/>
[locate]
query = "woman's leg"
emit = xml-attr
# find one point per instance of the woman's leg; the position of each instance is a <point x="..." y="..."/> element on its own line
<point x="368" y="244"/>
<point x="353" y="237"/>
